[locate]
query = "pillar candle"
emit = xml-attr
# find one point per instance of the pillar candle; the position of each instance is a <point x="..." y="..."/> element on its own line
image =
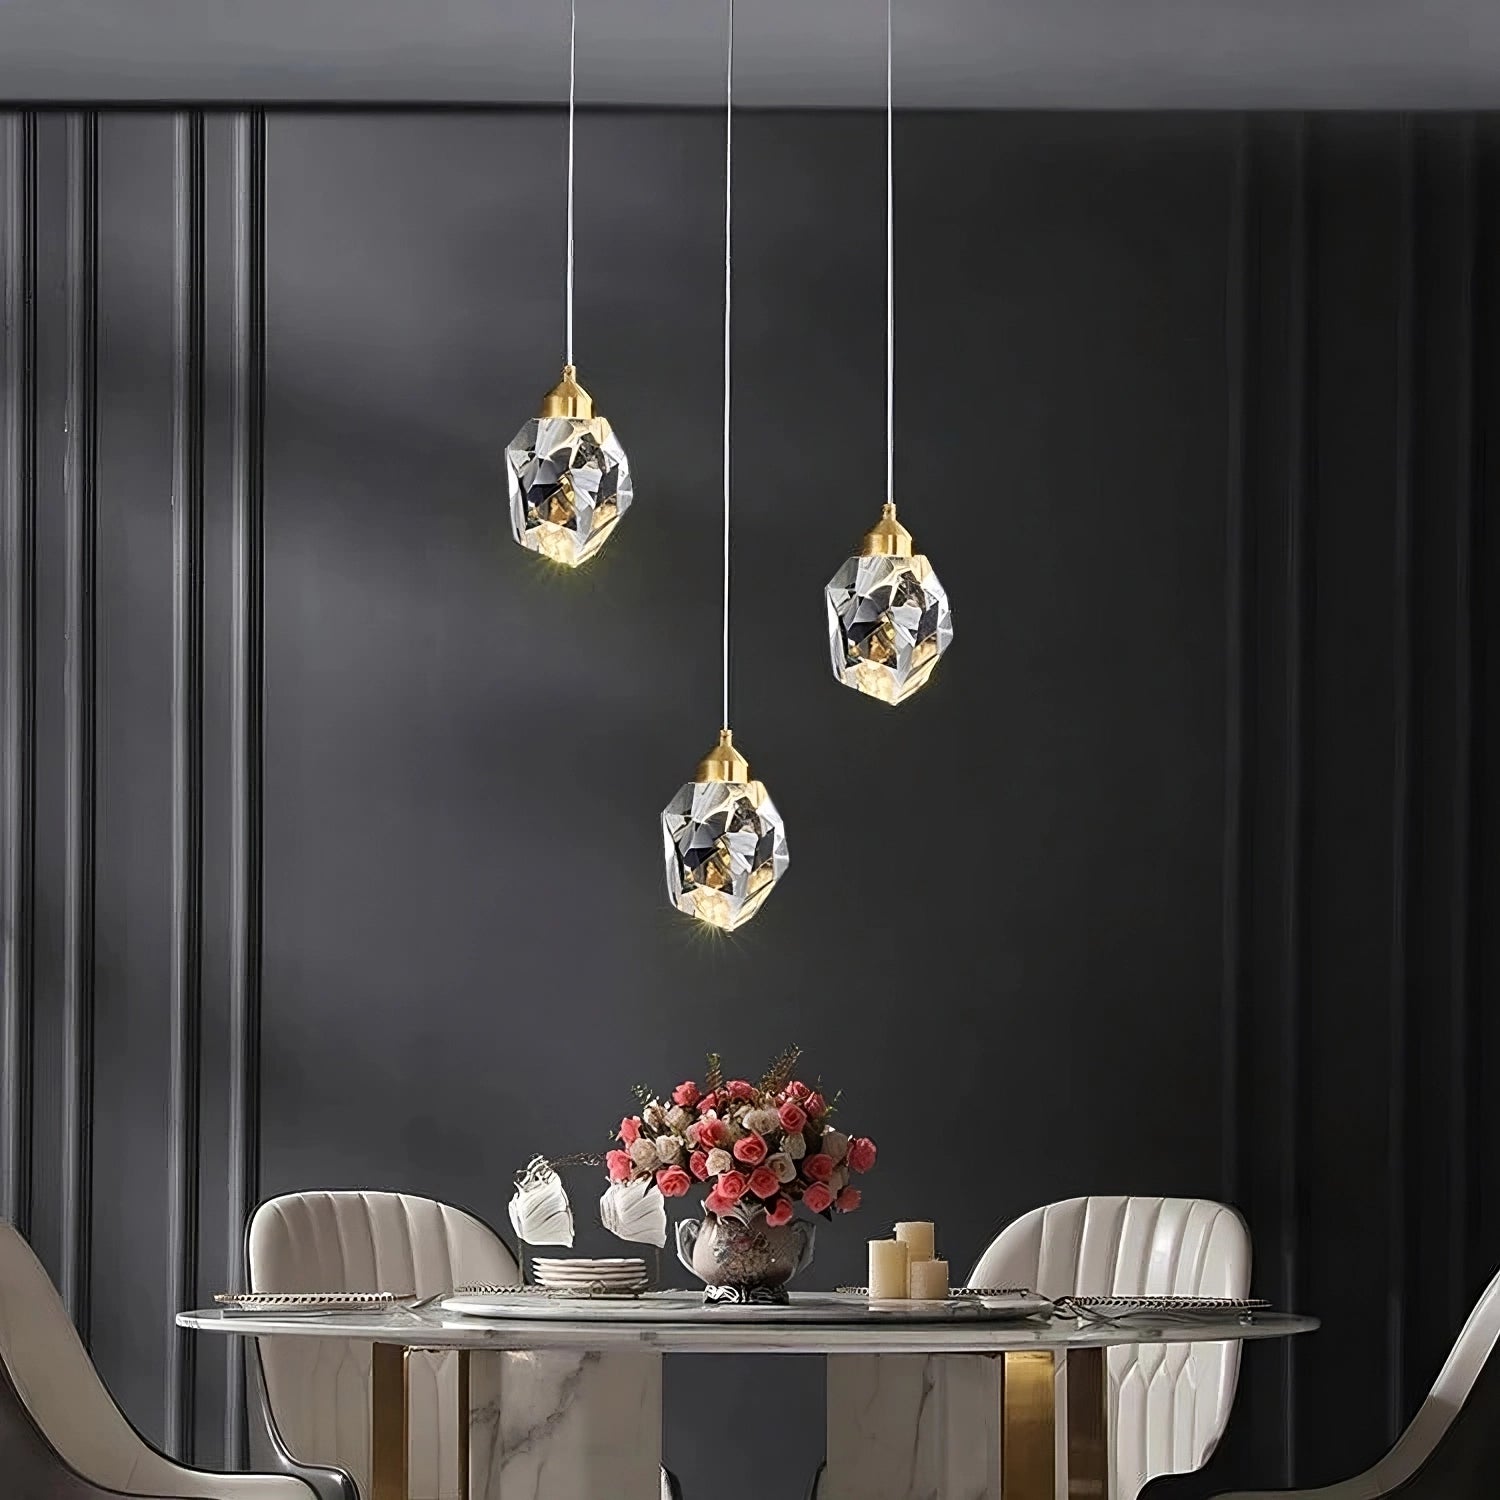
<point x="928" y="1280"/>
<point x="887" y="1270"/>
<point x="920" y="1239"/>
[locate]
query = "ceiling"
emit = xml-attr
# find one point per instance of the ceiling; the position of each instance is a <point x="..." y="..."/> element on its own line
<point x="949" y="53"/>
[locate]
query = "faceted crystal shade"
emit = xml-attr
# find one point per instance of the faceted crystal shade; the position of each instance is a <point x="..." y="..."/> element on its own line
<point x="888" y="623"/>
<point x="725" y="848"/>
<point x="569" y="483"/>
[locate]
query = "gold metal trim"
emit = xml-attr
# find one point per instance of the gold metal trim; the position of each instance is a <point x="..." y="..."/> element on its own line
<point x="463" y="1424"/>
<point x="567" y="398"/>
<point x="1028" y="1416"/>
<point x="723" y="762"/>
<point x="889" y="538"/>
<point x="390" y="1432"/>
<point x="1088" y="1425"/>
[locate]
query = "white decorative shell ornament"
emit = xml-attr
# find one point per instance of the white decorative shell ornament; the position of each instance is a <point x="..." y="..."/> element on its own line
<point x="540" y="1212"/>
<point x="635" y="1211"/>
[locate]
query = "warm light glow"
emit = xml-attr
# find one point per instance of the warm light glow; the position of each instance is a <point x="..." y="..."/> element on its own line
<point x="569" y="484"/>
<point x="888" y="618"/>
<point x="724" y="843"/>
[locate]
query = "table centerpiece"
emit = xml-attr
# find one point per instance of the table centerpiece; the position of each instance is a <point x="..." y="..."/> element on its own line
<point x="757" y="1152"/>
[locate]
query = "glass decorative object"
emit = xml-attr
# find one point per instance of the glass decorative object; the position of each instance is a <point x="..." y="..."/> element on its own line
<point x="888" y="616"/>
<point x="724" y="841"/>
<point x="568" y="477"/>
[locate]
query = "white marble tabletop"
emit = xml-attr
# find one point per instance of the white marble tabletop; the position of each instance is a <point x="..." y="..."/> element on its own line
<point x="433" y="1329"/>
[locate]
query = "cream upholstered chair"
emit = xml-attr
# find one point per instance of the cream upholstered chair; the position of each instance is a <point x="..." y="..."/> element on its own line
<point x="1451" y="1448"/>
<point x="1168" y="1403"/>
<point x="317" y="1391"/>
<point x="69" y="1437"/>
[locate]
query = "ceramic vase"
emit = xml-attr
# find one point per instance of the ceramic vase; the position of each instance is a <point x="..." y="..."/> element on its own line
<point x="744" y="1260"/>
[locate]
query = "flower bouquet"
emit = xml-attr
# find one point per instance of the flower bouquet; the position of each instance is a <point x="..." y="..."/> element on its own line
<point x="757" y="1151"/>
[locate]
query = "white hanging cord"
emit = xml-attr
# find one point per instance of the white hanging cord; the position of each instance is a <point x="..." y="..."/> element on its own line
<point x="890" y="275"/>
<point x="728" y="261"/>
<point x="572" y="95"/>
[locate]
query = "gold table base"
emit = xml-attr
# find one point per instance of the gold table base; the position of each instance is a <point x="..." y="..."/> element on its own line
<point x="389" y="1422"/>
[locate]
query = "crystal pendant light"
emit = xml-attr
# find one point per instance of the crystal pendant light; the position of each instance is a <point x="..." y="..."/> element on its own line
<point x="568" y="476"/>
<point x="888" y="616"/>
<point x="724" y="841"/>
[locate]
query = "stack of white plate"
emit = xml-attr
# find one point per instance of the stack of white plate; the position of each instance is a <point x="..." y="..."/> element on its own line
<point x="618" y="1275"/>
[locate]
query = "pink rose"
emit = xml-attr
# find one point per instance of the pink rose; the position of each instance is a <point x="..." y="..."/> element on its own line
<point x="630" y="1129"/>
<point x="847" y="1201"/>
<point x="709" y="1101"/>
<point x="686" y="1094"/>
<point x="674" y="1182"/>
<point x="698" y="1165"/>
<point x="861" y="1153"/>
<point x="793" y="1117"/>
<point x="714" y="1204"/>
<point x="818" y="1167"/>
<point x="816" y="1105"/>
<point x="818" y="1198"/>
<point x="731" y="1187"/>
<point x="712" y="1131"/>
<point x="739" y="1089"/>
<point x="798" y="1091"/>
<point x="751" y="1149"/>
<point x="779" y="1213"/>
<point x="618" y="1163"/>
<point x="764" y="1183"/>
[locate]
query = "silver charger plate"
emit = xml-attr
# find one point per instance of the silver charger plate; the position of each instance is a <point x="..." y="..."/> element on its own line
<point x="310" y="1302"/>
<point x="1175" y="1307"/>
<point x="805" y="1307"/>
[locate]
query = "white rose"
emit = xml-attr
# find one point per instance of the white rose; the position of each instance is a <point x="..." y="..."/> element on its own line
<point x="839" y="1181"/>
<point x="835" y="1144"/>
<point x="679" y="1118"/>
<point x="654" y="1115"/>
<point x="643" y="1154"/>
<point x="762" y="1121"/>
<point x="782" y="1165"/>
<point x="669" y="1149"/>
<point x="719" y="1160"/>
<point x="795" y="1146"/>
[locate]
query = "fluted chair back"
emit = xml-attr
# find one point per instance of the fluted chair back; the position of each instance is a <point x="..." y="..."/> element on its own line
<point x="317" y="1391"/>
<point x="1168" y="1403"/>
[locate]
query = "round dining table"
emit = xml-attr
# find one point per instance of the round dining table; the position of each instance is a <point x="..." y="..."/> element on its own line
<point x="564" y="1402"/>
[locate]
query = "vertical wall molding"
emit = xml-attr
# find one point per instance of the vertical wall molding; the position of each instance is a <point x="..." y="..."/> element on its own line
<point x="187" y="763"/>
<point x="1236" y="666"/>
<point x="80" y="483"/>
<point x="249" y="356"/>
<point x="1475" y="395"/>
<point x="1403" y="780"/>
<point x="18" y="569"/>
<point x="1301" y="386"/>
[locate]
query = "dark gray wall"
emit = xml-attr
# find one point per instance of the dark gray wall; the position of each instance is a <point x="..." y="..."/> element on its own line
<point x="1025" y="54"/>
<point x="1172" y="881"/>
